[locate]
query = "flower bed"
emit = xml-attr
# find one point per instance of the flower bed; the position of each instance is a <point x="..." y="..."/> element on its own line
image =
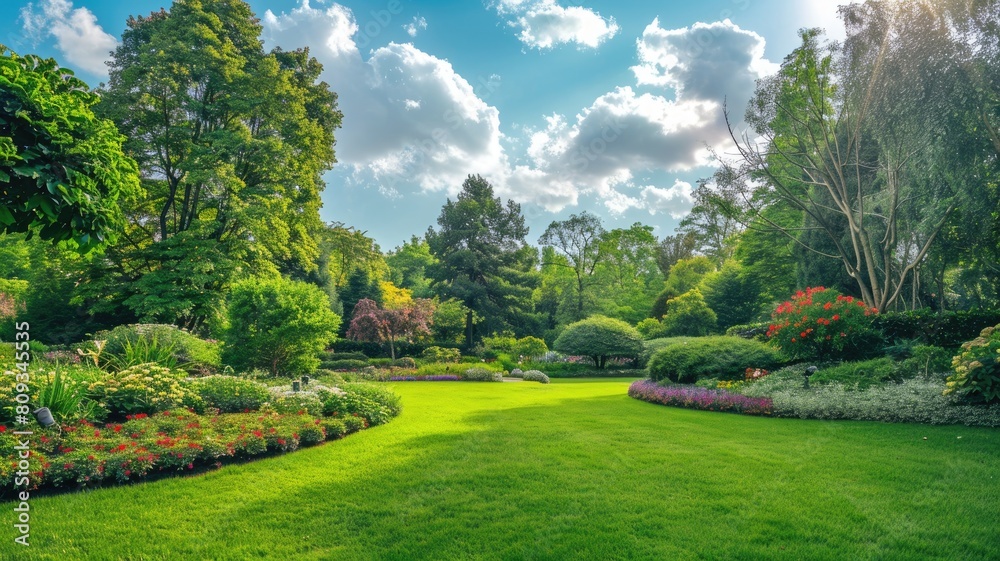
<point x="172" y="441"/>
<point x="432" y="378"/>
<point x="693" y="397"/>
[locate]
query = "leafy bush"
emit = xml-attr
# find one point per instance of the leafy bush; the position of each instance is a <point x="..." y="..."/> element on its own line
<point x="346" y="364"/>
<point x="699" y="398"/>
<point x="451" y="368"/>
<point x="146" y="388"/>
<point x="861" y="374"/>
<point x="820" y="323"/>
<point x="926" y="360"/>
<point x="650" y="347"/>
<point x="278" y="324"/>
<point x="285" y="401"/>
<point x="127" y="343"/>
<point x="376" y="404"/>
<point x="482" y="375"/>
<point x="516" y="373"/>
<point x="529" y="347"/>
<point x="535" y="376"/>
<point x="600" y="338"/>
<point x="66" y="398"/>
<point x="651" y="328"/>
<point x="977" y="368"/>
<point x="230" y="394"/>
<point x="333" y="355"/>
<point x="688" y="314"/>
<point x="724" y="358"/>
<point x="733" y="293"/>
<point x="441" y="354"/>
<point x="404" y="362"/>
<point x="939" y="329"/>
<point x="437" y="378"/>
<point x="756" y="330"/>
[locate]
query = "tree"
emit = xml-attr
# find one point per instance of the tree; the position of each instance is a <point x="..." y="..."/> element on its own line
<point x="448" y="325"/>
<point x="408" y="265"/>
<point x="718" y="214"/>
<point x="600" y="338"/>
<point x="371" y="323"/>
<point x="688" y="314"/>
<point x="733" y="294"/>
<point x="629" y="275"/>
<point x="830" y="154"/>
<point x="674" y="248"/>
<point x="578" y="239"/>
<point x="279" y="325"/>
<point x="231" y="144"/>
<point x="360" y="286"/>
<point x="484" y="260"/>
<point x="62" y="168"/>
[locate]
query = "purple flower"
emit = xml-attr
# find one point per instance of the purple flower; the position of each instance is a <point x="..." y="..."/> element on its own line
<point x="699" y="398"/>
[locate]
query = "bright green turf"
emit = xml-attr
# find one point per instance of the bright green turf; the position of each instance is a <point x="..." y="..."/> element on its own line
<point x="572" y="470"/>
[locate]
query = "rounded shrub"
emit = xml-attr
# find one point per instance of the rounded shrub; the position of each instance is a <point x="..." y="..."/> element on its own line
<point x="146" y="388"/>
<point x="346" y="364"/>
<point x="535" y="376"/>
<point x="482" y="375"/>
<point x="688" y="314"/>
<point x="376" y="404"/>
<point x="600" y="338"/>
<point x="820" y="323"/>
<point x="725" y="358"/>
<point x="230" y="394"/>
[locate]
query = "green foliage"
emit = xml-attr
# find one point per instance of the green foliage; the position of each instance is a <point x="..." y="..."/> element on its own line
<point x="733" y="293"/>
<point x="479" y="374"/>
<point x="535" y="376"/>
<point x="128" y="345"/>
<point x="977" y="368"/>
<point x="279" y="325"/>
<point x="485" y="261"/>
<point x="500" y="342"/>
<point x="449" y="321"/>
<point x="62" y="168"/>
<point x="600" y="338"/>
<point x="725" y="358"/>
<point x="408" y="266"/>
<point x="940" y="329"/>
<point x="285" y="401"/>
<point x="334" y="355"/>
<point x="230" y="394"/>
<point x="820" y="323"/>
<point x="439" y="354"/>
<point x="651" y="328"/>
<point x="861" y="374"/>
<point x="346" y="364"/>
<point x="146" y="388"/>
<point x="376" y="404"/>
<point x="66" y="398"/>
<point x="529" y="347"/>
<point x="687" y="273"/>
<point x="688" y="314"/>
<point x="757" y="330"/>
<point x="650" y="347"/>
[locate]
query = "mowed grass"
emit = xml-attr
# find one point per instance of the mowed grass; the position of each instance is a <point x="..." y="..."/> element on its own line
<point x="571" y="470"/>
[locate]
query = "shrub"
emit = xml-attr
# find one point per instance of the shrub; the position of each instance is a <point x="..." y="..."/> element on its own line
<point x="819" y="323"/>
<point x="977" y="368"/>
<point x="650" y="328"/>
<point x="733" y="293"/>
<point x="346" y="364"/>
<point x="600" y="338"/>
<point x="438" y="378"/>
<point x="333" y="355"/>
<point x="450" y="368"/>
<point x="939" y="329"/>
<point x="688" y="314"/>
<point x="926" y="360"/>
<point x="650" y="347"/>
<point x="500" y="342"/>
<point x="230" y="394"/>
<point x="529" y="347"/>
<point x="146" y="388"/>
<point x="481" y="375"/>
<point x="278" y="324"/>
<point x="65" y="397"/>
<point x="127" y="344"/>
<point x="535" y="376"/>
<point x="756" y="330"/>
<point x="404" y="362"/>
<point x="860" y="374"/>
<point x="353" y="424"/>
<point x="516" y="373"/>
<point x="285" y="401"/>
<point x="442" y="354"/>
<point x="722" y="357"/>
<point x="377" y="405"/>
<point x="699" y="398"/>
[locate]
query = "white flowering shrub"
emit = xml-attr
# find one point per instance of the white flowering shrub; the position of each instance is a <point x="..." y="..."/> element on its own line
<point x="145" y="388"/>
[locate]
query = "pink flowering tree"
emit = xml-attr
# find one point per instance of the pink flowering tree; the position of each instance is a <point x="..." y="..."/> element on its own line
<point x="371" y="323"/>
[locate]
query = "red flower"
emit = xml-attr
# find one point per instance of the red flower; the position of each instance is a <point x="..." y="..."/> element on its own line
<point x="803" y="334"/>
<point x="828" y="305"/>
<point x="97" y="433"/>
<point x="191" y="466"/>
<point x="836" y="317"/>
<point x="4" y="429"/>
<point x="118" y="428"/>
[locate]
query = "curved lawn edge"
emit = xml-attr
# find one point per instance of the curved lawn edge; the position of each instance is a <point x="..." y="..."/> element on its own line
<point x="693" y="397"/>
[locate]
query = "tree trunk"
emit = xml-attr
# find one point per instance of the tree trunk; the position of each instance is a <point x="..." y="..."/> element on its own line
<point x="468" y="330"/>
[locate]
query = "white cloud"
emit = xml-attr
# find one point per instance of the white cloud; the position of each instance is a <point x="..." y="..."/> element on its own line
<point x="415" y="26"/>
<point x="544" y="24"/>
<point x="79" y="38"/>
<point x="407" y="114"/>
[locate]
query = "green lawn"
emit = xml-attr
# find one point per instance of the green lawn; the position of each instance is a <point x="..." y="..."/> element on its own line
<point x="571" y="470"/>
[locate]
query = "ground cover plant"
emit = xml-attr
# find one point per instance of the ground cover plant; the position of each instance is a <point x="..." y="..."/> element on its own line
<point x="468" y="470"/>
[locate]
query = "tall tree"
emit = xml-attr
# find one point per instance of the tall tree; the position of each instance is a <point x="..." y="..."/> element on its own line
<point x="231" y="143"/>
<point x="674" y="248"/>
<point x="408" y="266"/>
<point x="718" y="214"/>
<point x="371" y="323"/>
<point x="578" y="239"/>
<point x="484" y="260"/>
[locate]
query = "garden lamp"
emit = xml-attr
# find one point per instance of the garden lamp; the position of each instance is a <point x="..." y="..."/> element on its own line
<point x="305" y="380"/>
<point x="44" y="416"/>
<point x="809" y="372"/>
<point x="295" y="386"/>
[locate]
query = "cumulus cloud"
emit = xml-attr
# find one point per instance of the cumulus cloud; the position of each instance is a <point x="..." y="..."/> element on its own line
<point x="406" y="113"/>
<point x="415" y="26"/>
<point x="79" y="38"/>
<point x="544" y="24"/>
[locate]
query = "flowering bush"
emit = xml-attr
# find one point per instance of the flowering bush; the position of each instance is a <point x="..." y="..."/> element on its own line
<point x="699" y="398"/>
<point x="535" y="376"/>
<point x="821" y="323"/>
<point x="230" y="394"/>
<point x="146" y="388"/>
<point x="977" y="368"/>
<point x="481" y="375"/>
<point x="755" y="373"/>
<point x="442" y="354"/>
<point x="375" y="404"/>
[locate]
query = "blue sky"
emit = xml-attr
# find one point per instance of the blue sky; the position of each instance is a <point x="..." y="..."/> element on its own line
<point x="564" y="105"/>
